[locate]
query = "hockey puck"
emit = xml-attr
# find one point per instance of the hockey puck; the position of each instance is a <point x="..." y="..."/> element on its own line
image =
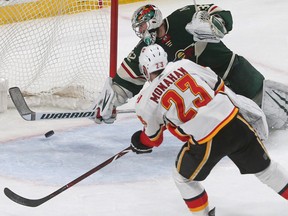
<point x="49" y="133"/>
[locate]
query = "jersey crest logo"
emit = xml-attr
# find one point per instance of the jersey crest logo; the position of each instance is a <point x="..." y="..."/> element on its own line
<point x="187" y="53"/>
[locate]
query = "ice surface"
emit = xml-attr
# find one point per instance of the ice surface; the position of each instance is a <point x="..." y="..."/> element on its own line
<point x="140" y="185"/>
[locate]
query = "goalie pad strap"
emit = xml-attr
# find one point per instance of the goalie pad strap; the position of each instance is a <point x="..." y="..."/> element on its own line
<point x="275" y="104"/>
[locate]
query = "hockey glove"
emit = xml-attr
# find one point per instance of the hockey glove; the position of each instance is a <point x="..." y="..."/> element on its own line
<point x="137" y="146"/>
<point x="206" y="28"/>
<point x="105" y="111"/>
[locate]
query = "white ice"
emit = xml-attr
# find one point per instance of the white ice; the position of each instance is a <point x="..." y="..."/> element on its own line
<point x="34" y="166"/>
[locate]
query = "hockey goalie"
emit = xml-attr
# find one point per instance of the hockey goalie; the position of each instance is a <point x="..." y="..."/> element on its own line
<point x="199" y="40"/>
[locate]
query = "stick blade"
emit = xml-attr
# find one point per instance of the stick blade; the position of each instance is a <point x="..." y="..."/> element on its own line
<point x="22" y="200"/>
<point x="20" y="103"/>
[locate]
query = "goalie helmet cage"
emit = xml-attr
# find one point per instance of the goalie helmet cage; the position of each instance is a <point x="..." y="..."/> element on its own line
<point x="58" y="52"/>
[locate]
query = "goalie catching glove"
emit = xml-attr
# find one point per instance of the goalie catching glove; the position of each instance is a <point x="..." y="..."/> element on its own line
<point x="105" y="108"/>
<point x="137" y="146"/>
<point x="206" y="28"/>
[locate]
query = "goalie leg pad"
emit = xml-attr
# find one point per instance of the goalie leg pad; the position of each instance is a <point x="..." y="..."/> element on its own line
<point x="275" y="104"/>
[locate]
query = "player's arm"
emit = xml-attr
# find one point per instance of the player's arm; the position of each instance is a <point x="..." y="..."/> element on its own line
<point x="127" y="83"/>
<point x="129" y="77"/>
<point x="210" y="23"/>
<point x="142" y="143"/>
<point x="151" y="136"/>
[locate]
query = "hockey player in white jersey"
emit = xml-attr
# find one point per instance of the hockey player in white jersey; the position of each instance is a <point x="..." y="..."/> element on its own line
<point x="193" y="103"/>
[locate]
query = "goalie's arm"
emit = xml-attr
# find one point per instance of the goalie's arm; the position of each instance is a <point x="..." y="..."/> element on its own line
<point x="128" y="74"/>
<point x="127" y="83"/>
<point x="111" y="96"/>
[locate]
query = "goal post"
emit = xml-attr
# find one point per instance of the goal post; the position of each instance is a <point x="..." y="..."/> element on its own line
<point x="59" y="52"/>
<point x="113" y="38"/>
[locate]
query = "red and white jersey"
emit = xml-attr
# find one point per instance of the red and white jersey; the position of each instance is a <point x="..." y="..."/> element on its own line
<point x="187" y="99"/>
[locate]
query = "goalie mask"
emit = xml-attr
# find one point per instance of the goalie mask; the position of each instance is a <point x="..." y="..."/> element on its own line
<point x="145" y="22"/>
<point x="152" y="58"/>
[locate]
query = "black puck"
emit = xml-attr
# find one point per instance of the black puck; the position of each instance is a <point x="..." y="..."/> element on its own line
<point x="49" y="133"/>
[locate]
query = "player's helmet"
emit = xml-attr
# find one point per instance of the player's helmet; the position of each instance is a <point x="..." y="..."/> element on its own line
<point x="150" y="15"/>
<point x="152" y="58"/>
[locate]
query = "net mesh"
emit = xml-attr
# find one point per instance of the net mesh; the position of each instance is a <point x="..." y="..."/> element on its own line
<point x="55" y="49"/>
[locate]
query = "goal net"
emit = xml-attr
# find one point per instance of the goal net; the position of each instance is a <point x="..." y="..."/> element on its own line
<point x="58" y="51"/>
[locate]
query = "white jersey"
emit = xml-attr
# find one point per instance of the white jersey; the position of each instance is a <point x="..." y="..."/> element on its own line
<point x="187" y="99"/>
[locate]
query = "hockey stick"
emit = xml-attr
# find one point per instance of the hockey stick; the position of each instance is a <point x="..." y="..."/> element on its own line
<point x="195" y="5"/>
<point x="29" y="115"/>
<point x="36" y="202"/>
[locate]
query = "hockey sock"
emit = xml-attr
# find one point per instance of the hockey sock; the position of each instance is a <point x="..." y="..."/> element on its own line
<point x="193" y="194"/>
<point x="284" y="192"/>
<point x="276" y="178"/>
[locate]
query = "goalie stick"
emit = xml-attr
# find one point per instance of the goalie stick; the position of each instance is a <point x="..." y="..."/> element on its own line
<point x="36" y="202"/>
<point x="29" y="115"/>
<point x="195" y="5"/>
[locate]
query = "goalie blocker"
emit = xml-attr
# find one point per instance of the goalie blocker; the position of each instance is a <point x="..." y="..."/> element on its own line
<point x="275" y="104"/>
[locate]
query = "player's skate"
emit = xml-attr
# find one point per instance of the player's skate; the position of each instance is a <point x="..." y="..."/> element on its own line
<point x="211" y="212"/>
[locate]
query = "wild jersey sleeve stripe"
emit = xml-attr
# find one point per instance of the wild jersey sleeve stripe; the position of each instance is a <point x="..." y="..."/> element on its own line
<point x="214" y="9"/>
<point x="129" y="80"/>
<point x="127" y="74"/>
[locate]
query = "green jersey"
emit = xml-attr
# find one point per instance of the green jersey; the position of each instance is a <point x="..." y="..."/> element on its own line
<point x="238" y="74"/>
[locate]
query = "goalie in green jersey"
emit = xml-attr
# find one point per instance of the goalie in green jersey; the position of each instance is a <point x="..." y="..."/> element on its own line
<point x="192" y="33"/>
